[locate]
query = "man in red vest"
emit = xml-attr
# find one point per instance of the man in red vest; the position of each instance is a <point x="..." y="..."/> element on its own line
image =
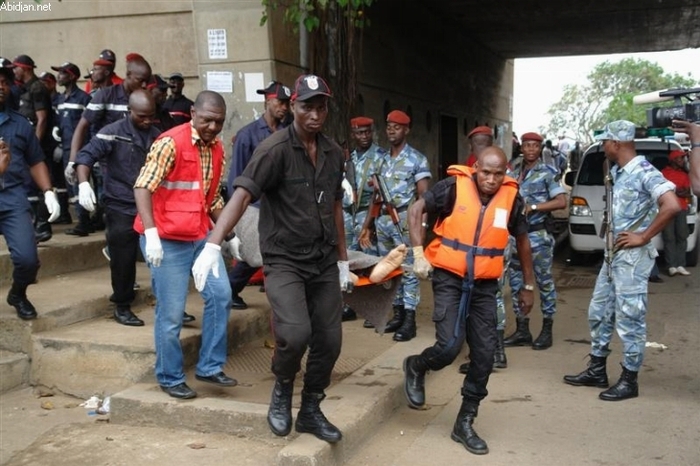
<point x="477" y="209"/>
<point x="177" y="197"/>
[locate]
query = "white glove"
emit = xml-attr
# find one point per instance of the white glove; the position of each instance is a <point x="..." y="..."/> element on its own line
<point x="86" y="196"/>
<point x="56" y="133"/>
<point x="154" y="250"/>
<point x="346" y="283"/>
<point x="234" y="248"/>
<point x="52" y="205"/>
<point x="207" y="260"/>
<point x="69" y="174"/>
<point x="421" y="267"/>
<point x="349" y="196"/>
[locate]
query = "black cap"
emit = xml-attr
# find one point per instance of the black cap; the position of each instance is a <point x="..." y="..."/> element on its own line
<point x="157" y="81"/>
<point x="69" y="68"/>
<point x="46" y="76"/>
<point x="277" y="90"/>
<point x="308" y="86"/>
<point x="108" y="55"/>
<point x="24" y="61"/>
<point x="176" y="76"/>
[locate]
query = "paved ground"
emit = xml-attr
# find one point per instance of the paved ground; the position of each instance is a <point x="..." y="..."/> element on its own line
<point x="530" y="417"/>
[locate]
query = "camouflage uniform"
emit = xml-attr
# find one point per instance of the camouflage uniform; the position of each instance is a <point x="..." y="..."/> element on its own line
<point x="401" y="173"/>
<point x="365" y="165"/>
<point x="537" y="185"/>
<point x="620" y="296"/>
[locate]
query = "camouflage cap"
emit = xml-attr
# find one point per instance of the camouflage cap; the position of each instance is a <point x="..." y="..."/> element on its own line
<point x="620" y="130"/>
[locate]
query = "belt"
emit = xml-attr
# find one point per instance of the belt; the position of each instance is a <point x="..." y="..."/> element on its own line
<point x="398" y="210"/>
<point x="537" y="227"/>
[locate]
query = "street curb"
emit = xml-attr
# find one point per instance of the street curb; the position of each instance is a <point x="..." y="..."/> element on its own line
<point x="356" y="405"/>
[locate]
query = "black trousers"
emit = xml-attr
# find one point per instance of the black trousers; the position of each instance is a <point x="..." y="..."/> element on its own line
<point x="306" y="312"/>
<point x="123" y="243"/>
<point x="479" y="331"/>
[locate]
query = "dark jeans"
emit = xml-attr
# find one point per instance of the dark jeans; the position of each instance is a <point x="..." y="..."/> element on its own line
<point x="480" y="331"/>
<point x="675" y="236"/>
<point x="239" y="275"/>
<point x="306" y="312"/>
<point x="123" y="243"/>
<point x="17" y="228"/>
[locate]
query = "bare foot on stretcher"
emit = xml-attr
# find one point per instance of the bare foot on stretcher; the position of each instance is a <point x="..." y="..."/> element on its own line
<point x="388" y="263"/>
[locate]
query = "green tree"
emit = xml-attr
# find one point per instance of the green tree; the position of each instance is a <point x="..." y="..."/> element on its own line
<point x="335" y="45"/>
<point x="607" y="96"/>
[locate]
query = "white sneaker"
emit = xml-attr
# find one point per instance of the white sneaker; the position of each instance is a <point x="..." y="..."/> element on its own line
<point x="682" y="271"/>
<point x="672" y="271"/>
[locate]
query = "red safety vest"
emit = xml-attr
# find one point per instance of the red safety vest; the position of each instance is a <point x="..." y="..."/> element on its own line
<point x="180" y="206"/>
<point x="473" y="228"/>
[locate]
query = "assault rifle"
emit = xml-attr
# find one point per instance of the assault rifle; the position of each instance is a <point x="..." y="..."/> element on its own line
<point x="606" y="228"/>
<point x="382" y="198"/>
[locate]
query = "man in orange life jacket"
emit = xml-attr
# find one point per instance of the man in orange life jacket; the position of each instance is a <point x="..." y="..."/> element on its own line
<point x="477" y="209"/>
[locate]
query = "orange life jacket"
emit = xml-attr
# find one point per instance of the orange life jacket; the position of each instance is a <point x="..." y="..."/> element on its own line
<point x="473" y="228"/>
<point x="180" y="206"/>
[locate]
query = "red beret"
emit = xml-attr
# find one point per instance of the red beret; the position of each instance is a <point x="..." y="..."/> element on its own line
<point x="103" y="63"/>
<point x="399" y="117"/>
<point x="361" y="121"/>
<point x="132" y="57"/>
<point x="676" y="154"/>
<point x="531" y="137"/>
<point x="480" y="130"/>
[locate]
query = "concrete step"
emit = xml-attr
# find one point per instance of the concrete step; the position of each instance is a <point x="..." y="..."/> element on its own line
<point x="62" y="300"/>
<point x="102" y="357"/>
<point x="367" y="386"/>
<point x="62" y="254"/>
<point x="14" y="370"/>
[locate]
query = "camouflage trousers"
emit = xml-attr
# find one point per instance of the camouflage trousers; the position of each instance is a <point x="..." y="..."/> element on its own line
<point x="408" y="294"/>
<point x="353" y="229"/>
<point x="542" y="245"/>
<point x="619" y="302"/>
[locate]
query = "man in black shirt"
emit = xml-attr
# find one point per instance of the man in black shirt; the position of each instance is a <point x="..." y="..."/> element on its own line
<point x="177" y="104"/>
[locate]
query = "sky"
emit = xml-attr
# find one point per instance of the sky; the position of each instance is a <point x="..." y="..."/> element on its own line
<point x="539" y="82"/>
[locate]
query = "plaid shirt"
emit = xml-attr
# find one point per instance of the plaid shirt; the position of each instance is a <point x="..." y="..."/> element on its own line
<point x="160" y="161"/>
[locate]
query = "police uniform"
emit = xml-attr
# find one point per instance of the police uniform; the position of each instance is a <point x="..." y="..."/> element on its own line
<point x="121" y="150"/>
<point x="401" y="174"/>
<point x="537" y="185"/>
<point x="355" y="215"/>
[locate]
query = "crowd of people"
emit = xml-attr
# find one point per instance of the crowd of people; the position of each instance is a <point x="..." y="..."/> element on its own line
<point x="153" y="169"/>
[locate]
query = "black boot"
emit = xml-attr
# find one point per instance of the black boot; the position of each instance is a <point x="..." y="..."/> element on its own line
<point x="544" y="340"/>
<point x="464" y="368"/>
<point x="414" y="383"/>
<point x="463" y="431"/>
<point x="312" y="421"/>
<point x="499" y="357"/>
<point x="42" y="227"/>
<point x="396" y="321"/>
<point x="83" y="228"/>
<point x="348" y="314"/>
<point x="407" y="331"/>
<point x="279" y="416"/>
<point x="17" y="297"/>
<point x="522" y="335"/>
<point x="626" y="387"/>
<point x="594" y="376"/>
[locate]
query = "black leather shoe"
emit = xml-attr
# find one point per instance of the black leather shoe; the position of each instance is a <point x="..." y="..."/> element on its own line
<point x="43" y="234"/>
<point x="414" y="368"/>
<point x="25" y="309"/>
<point x="78" y="230"/>
<point x="238" y="303"/>
<point x="311" y="419"/>
<point x="464" y="368"/>
<point x="187" y="318"/>
<point x="220" y="379"/>
<point x="656" y="279"/>
<point x="348" y="314"/>
<point x="125" y="317"/>
<point x="181" y="391"/>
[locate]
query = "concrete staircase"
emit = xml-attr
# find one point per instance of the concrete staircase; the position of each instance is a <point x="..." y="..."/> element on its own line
<point x="75" y="346"/>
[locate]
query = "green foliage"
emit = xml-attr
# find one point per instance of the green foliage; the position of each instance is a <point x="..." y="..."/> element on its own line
<point x="607" y="96"/>
<point x="309" y="12"/>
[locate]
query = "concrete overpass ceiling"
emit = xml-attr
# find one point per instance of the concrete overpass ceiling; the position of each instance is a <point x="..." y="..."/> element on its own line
<point x="542" y="28"/>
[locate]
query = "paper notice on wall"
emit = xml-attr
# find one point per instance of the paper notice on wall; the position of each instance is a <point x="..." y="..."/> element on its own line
<point x="253" y="82"/>
<point x="220" y="81"/>
<point x="217" y="44"/>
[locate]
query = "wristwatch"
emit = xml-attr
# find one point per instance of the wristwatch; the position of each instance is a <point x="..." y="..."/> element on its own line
<point x="529" y="287"/>
<point x="533" y="207"/>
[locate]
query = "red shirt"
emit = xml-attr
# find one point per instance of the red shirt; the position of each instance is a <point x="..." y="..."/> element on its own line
<point x="681" y="179"/>
<point x="471" y="160"/>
